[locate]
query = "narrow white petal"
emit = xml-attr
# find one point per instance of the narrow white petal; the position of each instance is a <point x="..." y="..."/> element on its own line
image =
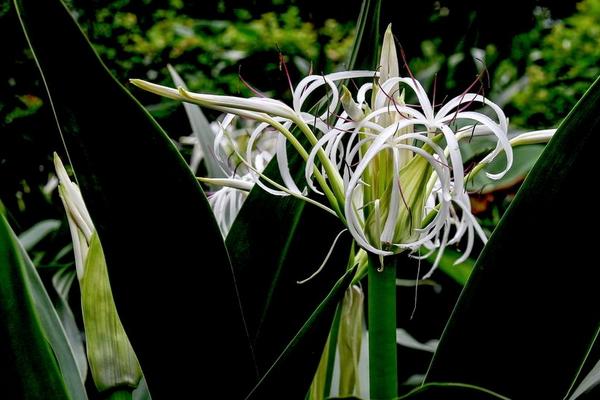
<point x="233" y="183"/>
<point x="534" y="137"/>
<point x="282" y="163"/>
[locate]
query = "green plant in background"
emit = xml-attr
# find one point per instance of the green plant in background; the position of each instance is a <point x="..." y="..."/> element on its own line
<point x="554" y="82"/>
<point x="211" y="54"/>
<point x="139" y="38"/>
<point x="390" y="171"/>
<point x="539" y="78"/>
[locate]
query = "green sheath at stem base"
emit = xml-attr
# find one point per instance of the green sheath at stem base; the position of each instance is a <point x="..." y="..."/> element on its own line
<point x="125" y="394"/>
<point x="383" y="376"/>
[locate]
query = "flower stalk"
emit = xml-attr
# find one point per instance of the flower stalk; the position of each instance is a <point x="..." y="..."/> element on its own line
<point x="383" y="367"/>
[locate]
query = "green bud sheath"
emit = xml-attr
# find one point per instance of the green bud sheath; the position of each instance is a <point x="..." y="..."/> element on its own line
<point x="350" y="339"/>
<point x="113" y="363"/>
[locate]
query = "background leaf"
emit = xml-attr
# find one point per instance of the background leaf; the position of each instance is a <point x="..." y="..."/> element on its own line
<point x="452" y="391"/>
<point x="144" y="202"/>
<point x="29" y="368"/>
<point x="588" y="383"/>
<point x="36" y="233"/>
<point x="274" y="243"/>
<point x="528" y="313"/>
<point x="60" y="331"/>
<point x="460" y="272"/>
<point x="201" y="130"/>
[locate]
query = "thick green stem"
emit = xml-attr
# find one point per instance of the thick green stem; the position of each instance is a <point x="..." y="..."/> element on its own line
<point x="121" y="394"/>
<point x="383" y="376"/>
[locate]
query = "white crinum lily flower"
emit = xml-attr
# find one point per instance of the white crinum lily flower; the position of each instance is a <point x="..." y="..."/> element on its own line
<point x="391" y="171"/>
<point x="227" y="201"/>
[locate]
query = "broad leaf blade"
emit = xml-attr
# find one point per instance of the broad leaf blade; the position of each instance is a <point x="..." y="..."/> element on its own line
<point x="63" y="339"/>
<point x="320" y="320"/>
<point x="144" y="202"/>
<point x="67" y="319"/>
<point x="274" y="244"/>
<point x="459" y="273"/>
<point x="531" y="293"/>
<point x="365" y="52"/>
<point x="444" y="391"/>
<point x="452" y="391"/>
<point x="585" y="383"/>
<point x="29" y="368"/>
<point x="588" y="383"/>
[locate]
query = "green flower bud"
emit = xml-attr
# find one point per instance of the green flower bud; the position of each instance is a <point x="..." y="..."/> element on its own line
<point x="113" y="362"/>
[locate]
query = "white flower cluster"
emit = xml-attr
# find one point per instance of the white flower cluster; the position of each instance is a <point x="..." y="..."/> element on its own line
<point x="392" y="172"/>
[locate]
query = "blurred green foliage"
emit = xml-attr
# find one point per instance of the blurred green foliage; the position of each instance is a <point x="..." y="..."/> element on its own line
<point x="212" y="54"/>
<point x="546" y="71"/>
<point x="536" y="75"/>
<point x="211" y="46"/>
<point x="562" y="68"/>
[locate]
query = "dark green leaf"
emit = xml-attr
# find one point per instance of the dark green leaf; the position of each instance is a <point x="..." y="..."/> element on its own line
<point x="444" y="391"/>
<point x="524" y="159"/>
<point x="61" y="333"/>
<point x="365" y="52"/>
<point x="29" y="369"/>
<point x="529" y="311"/>
<point x="59" y="329"/>
<point x="585" y="384"/>
<point x="67" y="319"/>
<point x="270" y="385"/>
<point x="274" y="244"/>
<point x="588" y="383"/>
<point x="460" y="272"/>
<point x="451" y="391"/>
<point x="145" y="204"/>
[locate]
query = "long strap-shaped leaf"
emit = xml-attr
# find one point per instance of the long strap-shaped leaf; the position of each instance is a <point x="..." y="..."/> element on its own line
<point x="529" y="312"/>
<point x="29" y="369"/>
<point x="68" y="351"/>
<point x="444" y="391"/>
<point x="166" y="259"/>
<point x="270" y="383"/>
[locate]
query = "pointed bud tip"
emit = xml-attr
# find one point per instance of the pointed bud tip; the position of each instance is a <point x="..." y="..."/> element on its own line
<point x="346" y="95"/>
<point x="350" y="106"/>
<point x="389" y="58"/>
<point x="61" y="172"/>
